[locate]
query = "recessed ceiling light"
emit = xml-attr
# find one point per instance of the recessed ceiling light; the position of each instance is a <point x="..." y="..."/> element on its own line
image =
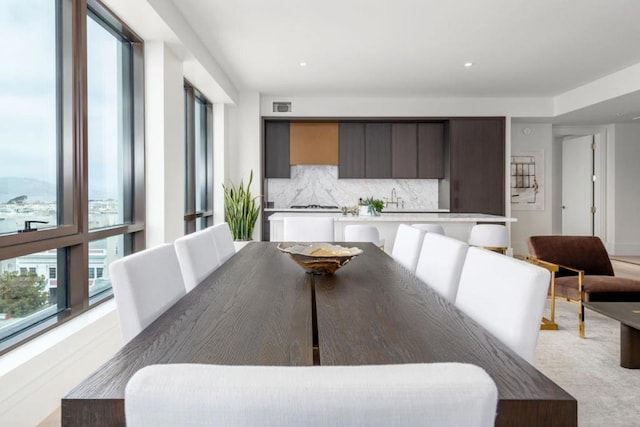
<point x="636" y="118"/>
<point x="468" y="64"/>
<point x="303" y="63"/>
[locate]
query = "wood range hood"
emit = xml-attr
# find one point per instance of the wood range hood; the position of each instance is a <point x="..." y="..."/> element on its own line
<point x="313" y="143"/>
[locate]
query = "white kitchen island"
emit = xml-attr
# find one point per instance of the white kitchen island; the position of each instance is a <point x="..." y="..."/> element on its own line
<point x="456" y="225"/>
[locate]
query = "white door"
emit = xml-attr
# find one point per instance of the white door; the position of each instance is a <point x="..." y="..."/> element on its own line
<point x="577" y="185"/>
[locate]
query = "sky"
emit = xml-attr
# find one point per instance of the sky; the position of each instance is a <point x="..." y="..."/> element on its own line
<point x="27" y="89"/>
<point x="27" y="97"/>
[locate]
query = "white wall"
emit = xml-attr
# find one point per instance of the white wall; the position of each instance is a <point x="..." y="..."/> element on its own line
<point x="164" y="144"/>
<point x="617" y="198"/>
<point x="244" y="145"/>
<point x="408" y="107"/>
<point x="38" y="374"/>
<point x="625" y="169"/>
<point x="538" y="138"/>
<point x="220" y="158"/>
<point x="160" y="21"/>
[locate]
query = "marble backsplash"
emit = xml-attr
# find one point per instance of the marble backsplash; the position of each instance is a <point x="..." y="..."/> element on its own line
<point x="319" y="185"/>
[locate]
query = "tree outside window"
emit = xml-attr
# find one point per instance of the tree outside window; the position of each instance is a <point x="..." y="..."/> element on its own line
<point x="22" y="294"/>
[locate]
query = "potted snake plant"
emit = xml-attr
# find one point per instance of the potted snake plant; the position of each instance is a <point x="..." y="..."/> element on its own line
<point x="240" y="209"/>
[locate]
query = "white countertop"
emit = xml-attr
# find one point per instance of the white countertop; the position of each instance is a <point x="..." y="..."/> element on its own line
<point x="301" y="210"/>
<point x="398" y="217"/>
<point x="386" y="210"/>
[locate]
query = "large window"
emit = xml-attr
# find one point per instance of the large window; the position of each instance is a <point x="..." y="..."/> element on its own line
<point x="72" y="166"/>
<point x="198" y="160"/>
<point x="28" y="110"/>
<point x="107" y="122"/>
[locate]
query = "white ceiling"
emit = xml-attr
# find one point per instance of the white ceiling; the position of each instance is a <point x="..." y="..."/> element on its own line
<point x="418" y="47"/>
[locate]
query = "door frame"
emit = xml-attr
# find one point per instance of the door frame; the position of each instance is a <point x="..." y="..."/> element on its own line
<point x="582" y="148"/>
<point x="600" y="184"/>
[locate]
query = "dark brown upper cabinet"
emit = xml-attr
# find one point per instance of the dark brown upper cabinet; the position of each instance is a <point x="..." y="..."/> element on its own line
<point x="351" y="150"/>
<point x="276" y="149"/>
<point x="430" y="150"/>
<point x="477" y="165"/>
<point x="417" y="150"/>
<point x="404" y="146"/>
<point x="377" y="150"/>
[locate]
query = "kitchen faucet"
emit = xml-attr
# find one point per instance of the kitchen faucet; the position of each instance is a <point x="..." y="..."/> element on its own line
<point x="395" y="200"/>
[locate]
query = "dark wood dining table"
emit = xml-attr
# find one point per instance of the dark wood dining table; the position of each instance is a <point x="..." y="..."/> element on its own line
<point x="260" y="308"/>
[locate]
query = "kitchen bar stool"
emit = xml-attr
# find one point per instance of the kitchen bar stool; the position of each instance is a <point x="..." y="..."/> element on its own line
<point x="430" y="228"/>
<point x="493" y="237"/>
<point x="308" y="229"/>
<point x="363" y="233"/>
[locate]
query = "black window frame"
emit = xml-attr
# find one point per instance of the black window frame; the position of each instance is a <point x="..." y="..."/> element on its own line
<point x="194" y="217"/>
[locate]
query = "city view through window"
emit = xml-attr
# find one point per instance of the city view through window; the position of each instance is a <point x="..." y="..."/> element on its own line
<point x="30" y="165"/>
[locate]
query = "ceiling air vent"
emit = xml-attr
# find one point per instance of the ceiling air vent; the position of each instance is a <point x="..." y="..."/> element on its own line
<point x="281" y="107"/>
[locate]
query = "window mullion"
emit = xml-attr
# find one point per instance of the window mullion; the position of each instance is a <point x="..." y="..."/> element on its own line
<point x="190" y="158"/>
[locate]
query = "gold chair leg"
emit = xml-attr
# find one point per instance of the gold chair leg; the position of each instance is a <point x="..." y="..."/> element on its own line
<point x="580" y="306"/>
<point x="581" y="318"/>
<point x="550" y="324"/>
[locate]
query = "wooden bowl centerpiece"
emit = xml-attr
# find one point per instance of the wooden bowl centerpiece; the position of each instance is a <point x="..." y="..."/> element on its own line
<point x="319" y="258"/>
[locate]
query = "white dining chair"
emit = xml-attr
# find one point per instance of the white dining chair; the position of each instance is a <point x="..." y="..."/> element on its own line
<point x="494" y="237"/>
<point x="407" y="245"/>
<point x="145" y="285"/>
<point x="308" y="229"/>
<point x="437" y="394"/>
<point x="223" y="241"/>
<point x="430" y="228"/>
<point x="440" y="264"/>
<point x="506" y="296"/>
<point x="198" y="257"/>
<point x="363" y="233"/>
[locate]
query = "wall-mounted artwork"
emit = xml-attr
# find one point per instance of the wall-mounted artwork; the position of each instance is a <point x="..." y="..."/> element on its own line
<point x="527" y="181"/>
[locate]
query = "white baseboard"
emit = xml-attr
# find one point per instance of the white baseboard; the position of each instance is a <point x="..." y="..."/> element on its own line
<point x="624" y="249"/>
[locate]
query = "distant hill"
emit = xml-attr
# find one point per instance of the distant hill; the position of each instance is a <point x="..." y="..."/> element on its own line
<point x="34" y="189"/>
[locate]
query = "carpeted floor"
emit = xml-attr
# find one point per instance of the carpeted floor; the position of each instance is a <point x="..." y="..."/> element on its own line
<point x="589" y="369"/>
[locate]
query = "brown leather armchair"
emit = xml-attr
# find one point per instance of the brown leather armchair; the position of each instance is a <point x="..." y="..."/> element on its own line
<point x="584" y="271"/>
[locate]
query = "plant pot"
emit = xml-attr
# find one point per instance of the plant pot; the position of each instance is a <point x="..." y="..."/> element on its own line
<point x="368" y="211"/>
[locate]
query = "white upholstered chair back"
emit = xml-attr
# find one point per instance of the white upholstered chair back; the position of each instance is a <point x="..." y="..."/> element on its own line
<point x="506" y="296"/>
<point x="490" y="236"/>
<point x="308" y="229"/>
<point x="223" y="241"/>
<point x="437" y="394"/>
<point x="362" y="233"/>
<point x="145" y="285"/>
<point x="430" y="228"/>
<point x="440" y="264"/>
<point x="407" y="245"/>
<point x="198" y="257"/>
